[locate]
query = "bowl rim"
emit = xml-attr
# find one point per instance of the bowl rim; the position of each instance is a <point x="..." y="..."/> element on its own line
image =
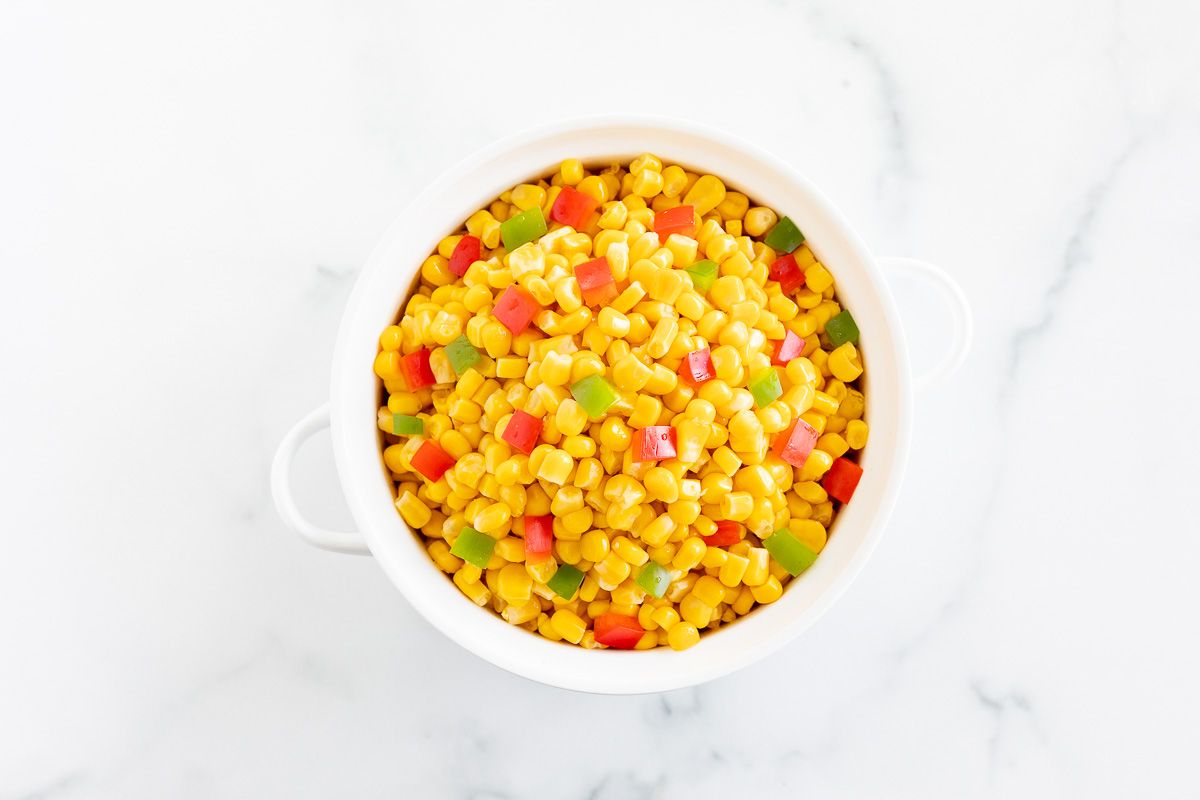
<point x="387" y="277"/>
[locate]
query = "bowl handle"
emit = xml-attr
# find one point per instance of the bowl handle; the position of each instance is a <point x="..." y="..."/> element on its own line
<point x="964" y="320"/>
<point x="285" y="502"/>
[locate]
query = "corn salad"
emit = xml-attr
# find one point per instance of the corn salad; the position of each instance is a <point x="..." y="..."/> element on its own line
<point x="623" y="405"/>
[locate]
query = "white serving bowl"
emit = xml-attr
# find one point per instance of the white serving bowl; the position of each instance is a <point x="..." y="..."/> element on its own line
<point x="388" y="278"/>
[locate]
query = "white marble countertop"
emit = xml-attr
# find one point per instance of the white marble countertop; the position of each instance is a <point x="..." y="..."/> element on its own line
<point x="186" y="195"/>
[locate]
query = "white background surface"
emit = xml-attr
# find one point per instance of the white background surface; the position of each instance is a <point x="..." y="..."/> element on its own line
<point x="186" y="194"/>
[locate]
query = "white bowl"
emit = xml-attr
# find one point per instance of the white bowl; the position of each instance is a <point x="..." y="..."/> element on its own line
<point x="389" y="276"/>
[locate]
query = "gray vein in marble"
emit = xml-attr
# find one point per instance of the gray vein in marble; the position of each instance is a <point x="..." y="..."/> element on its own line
<point x="625" y="786"/>
<point x="1000" y="708"/>
<point x="1076" y="255"/>
<point x="59" y="787"/>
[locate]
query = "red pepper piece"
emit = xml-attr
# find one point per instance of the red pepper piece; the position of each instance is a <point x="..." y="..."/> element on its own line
<point x="680" y="219"/>
<point x="466" y="253"/>
<point x="842" y="479"/>
<point x="785" y="270"/>
<point x="416" y="370"/>
<point x="794" y="444"/>
<point x="618" y="630"/>
<point x="522" y="431"/>
<point x="572" y="207"/>
<point x="596" y="283"/>
<point x="431" y="461"/>
<point x="539" y="538"/>
<point x="791" y="346"/>
<point x="515" y="309"/>
<point x="654" y="443"/>
<point x="728" y="532"/>
<point x="697" y="367"/>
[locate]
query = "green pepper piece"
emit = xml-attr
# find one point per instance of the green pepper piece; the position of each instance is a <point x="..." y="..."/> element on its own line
<point x="565" y="582"/>
<point x="462" y="355"/>
<point x="784" y="237"/>
<point x="841" y="329"/>
<point x="594" y="394"/>
<point x="522" y="228"/>
<point x="703" y="274"/>
<point x="765" y="387"/>
<point x="474" y="547"/>
<point x="404" y="425"/>
<point x="791" y="553"/>
<point x="654" y="578"/>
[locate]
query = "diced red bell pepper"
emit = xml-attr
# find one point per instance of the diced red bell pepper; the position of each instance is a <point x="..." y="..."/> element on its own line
<point x="522" y="431"/>
<point x="785" y="270"/>
<point x="596" y="283"/>
<point x="728" y="532"/>
<point x="539" y="538"/>
<point x="572" y="207"/>
<point x="515" y="309"/>
<point x="697" y="367"/>
<point x="789" y="347"/>
<point x="431" y="461"/>
<point x="794" y="444"/>
<point x="842" y="479"/>
<point x="654" y="443"/>
<point x="680" y="219"/>
<point x="617" y="630"/>
<point x="416" y="370"/>
<point x="466" y="253"/>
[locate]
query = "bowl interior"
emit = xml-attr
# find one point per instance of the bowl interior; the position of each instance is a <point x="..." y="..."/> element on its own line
<point x="385" y="283"/>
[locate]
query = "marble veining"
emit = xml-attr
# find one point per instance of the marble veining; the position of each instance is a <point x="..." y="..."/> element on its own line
<point x="188" y="194"/>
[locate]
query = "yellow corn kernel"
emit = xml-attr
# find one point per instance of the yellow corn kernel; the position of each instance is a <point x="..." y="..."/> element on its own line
<point x="629" y="551"/>
<point x="647" y="183"/>
<point x="816" y="420"/>
<point x="767" y="592"/>
<point x="736" y="506"/>
<point x="758" y="566"/>
<point x="494" y="519"/>
<point x="594" y="546"/>
<point x="759" y="220"/>
<point x="628" y="594"/>
<point x="661" y="484"/>
<point x="856" y="434"/>
<point x="706" y="194"/>
<point x="595" y="187"/>
<point x="513" y="584"/>
<point x="683" y="635"/>
<point x="414" y="512"/>
<point x="818" y="464"/>
<point x="556" y="467"/>
<point x="663" y="381"/>
<point x="439" y="551"/>
<point x="833" y="444"/>
<point x="674" y="181"/>
<point x="555" y="369"/>
<point x="613" y="323"/>
<point x="690" y="553"/>
<point x="527" y="196"/>
<point x="709" y="590"/>
<point x="733" y="570"/>
<point x="611" y="571"/>
<point x="568" y="625"/>
<point x="658" y="531"/>
<point x="694" y="610"/>
<point x="844" y="363"/>
<point x="817" y="278"/>
<point x="571" y="171"/>
<point x="615" y="435"/>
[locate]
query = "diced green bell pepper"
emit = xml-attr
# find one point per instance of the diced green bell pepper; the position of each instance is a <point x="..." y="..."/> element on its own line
<point x="462" y="355"/>
<point x="784" y="237"/>
<point x="474" y="547"/>
<point x="404" y="425"/>
<point x="654" y="578"/>
<point x="703" y="274"/>
<point x="594" y="394"/>
<point x="765" y="387"/>
<point x="841" y="329"/>
<point x="565" y="582"/>
<point x="522" y="228"/>
<point x="791" y="553"/>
